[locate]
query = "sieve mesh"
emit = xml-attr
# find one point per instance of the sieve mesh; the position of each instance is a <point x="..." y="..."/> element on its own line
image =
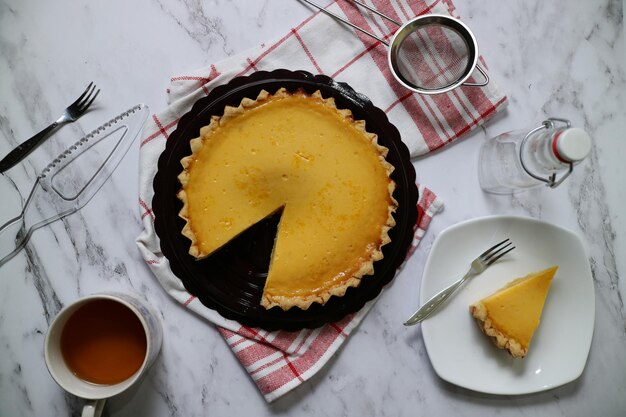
<point x="433" y="56"/>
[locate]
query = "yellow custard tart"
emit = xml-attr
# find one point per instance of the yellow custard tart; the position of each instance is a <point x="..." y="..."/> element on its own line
<point x="299" y="154"/>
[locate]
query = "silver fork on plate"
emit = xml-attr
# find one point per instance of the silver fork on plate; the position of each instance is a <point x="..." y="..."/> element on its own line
<point x="71" y="114"/>
<point x="478" y="265"/>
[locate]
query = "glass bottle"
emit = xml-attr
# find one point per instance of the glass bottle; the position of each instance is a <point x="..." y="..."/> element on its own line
<point x="518" y="160"/>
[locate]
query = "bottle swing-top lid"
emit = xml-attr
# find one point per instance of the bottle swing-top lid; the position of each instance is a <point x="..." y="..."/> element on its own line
<point x="572" y="144"/>
<point x="569" y="145"/>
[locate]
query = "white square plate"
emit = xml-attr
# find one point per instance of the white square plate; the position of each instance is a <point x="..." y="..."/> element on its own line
<point x="461" y="354"/>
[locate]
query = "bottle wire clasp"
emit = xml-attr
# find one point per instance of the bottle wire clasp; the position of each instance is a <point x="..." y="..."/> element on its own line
<point x="551" y="181"/>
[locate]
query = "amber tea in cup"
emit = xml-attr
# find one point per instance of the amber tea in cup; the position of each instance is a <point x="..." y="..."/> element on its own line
<point x="103" y="342"/>
<point x="101" y="345"/>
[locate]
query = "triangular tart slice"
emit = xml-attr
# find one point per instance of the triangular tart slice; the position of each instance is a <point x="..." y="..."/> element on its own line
<point x="511" y="315"/>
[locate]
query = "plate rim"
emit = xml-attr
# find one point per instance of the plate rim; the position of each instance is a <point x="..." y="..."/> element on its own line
<point x="446" y="376"/>
<point x="306" y="78"/>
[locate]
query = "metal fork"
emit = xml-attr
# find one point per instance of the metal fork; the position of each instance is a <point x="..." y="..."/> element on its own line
<point x="71" y="114"/>
<point x="478" y="265"/>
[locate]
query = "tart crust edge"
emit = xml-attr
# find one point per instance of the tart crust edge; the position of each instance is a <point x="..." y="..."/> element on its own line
<point x="501" y="340"/>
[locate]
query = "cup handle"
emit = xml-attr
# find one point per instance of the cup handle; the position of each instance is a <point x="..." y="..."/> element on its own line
<point x="93" y="408"/>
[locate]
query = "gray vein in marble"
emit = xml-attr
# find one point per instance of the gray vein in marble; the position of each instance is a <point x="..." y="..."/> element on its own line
<point x="4" y="5"/>
<point x="171" y="405"/>
<point x="590" y="198"/>
<point x="49" y="300"/>
<point x="260" y="20"/>
<point x="528" y="202"/>
<point x="97" y="256"/>
<point x="26" y="87"/>
<point x="613" y="13"/>
<point x="15" y="378"/>
<point x="74" y="404"/>
<point x="204" y="393"/>
<point x="205" y="30"/>
<point x="5" y="128"/>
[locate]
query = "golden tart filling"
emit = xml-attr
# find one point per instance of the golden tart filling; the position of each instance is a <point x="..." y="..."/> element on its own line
<point x="300" y="154"/>
<point x="511" y="315"/>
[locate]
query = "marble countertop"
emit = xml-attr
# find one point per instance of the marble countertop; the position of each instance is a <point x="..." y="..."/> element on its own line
<point x="558" y="58"/>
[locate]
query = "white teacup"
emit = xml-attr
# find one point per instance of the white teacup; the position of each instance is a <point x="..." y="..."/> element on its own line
<point x="96" y="394"/>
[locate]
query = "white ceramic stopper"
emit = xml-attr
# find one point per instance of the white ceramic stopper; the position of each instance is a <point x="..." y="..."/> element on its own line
<point x="572" y="144"/>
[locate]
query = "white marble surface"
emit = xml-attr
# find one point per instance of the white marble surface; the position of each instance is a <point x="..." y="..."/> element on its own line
<point x="560" y="57"/>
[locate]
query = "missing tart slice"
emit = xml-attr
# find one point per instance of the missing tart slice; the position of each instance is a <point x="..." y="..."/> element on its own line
<point x="511" y="315"/>
<point x="297" y="152"/>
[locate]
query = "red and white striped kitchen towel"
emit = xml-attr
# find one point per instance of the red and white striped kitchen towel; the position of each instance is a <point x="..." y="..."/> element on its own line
<point x="279" y="361"/>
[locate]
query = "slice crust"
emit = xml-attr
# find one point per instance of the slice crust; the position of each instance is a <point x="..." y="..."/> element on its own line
<point x="511" y="315"/>
<point x="299" y="153"/>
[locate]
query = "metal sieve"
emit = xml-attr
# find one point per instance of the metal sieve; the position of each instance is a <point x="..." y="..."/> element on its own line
<point x="430" y="54"/>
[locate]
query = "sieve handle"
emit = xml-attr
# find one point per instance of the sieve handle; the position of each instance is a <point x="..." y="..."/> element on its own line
<point x="484" y="83"/>
<point x="371" y="9"/>
<point x="335" y="16"/>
